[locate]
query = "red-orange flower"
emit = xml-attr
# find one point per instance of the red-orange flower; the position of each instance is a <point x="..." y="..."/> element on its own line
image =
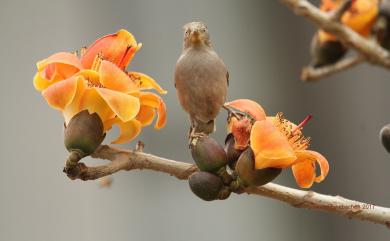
<point x="278" y="143"/>
<point x="360" y="17"/>
<point x="97" y="81"/>
<point x="241" y="127"/>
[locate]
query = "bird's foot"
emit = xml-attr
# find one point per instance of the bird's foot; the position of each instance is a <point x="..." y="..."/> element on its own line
<point x="194" y="137"/>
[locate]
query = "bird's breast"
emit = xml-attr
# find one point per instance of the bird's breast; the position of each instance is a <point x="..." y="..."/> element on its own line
<point x="201" y="83"/>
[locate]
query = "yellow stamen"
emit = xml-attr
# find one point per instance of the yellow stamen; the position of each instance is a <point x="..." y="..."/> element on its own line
<point x="97" y="62"/>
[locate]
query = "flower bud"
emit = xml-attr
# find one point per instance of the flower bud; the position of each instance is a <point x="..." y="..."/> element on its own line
<point x="84" y="133"/>
<point x="385" y="137"/>
<point x="247" y="173"/>
<point x="208" y="155"/>
<point x="205" y="185"/>
<point x="326" y="52"/>
<point x="232" y="153"/>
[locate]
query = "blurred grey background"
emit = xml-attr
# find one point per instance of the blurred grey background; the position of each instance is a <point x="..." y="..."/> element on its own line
<point x="264" y="45"/>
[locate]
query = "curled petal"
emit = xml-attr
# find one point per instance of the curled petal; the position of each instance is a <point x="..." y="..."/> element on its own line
<point x="128" y="130"/>
<point x="40" y="83"/>
<point x="304" y="173"/>
<point x="114" y="78"/>
<point x="114" y="47"/>
<point x="125" y="106"/>
<point x="58" y="67"/>
<point x="304" y="168"/>
<point x="270" y="147"/>
<point x="155" y="101"/>
<point x="145" y="82"/>
<point x="250" y="107"/>
<point x="61" y="94"/>
<point x="146" y="115"/>
<point x="65" y="58"/>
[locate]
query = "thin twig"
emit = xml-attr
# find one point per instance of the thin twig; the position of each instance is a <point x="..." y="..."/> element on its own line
<point x="310" y="74"/>
<point x="128" y="160"/>
<point x="369" y="49"/>
<point x="338" y="13"/>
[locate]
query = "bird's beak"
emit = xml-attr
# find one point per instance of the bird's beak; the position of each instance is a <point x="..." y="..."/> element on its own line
<point x="195" y="36"/>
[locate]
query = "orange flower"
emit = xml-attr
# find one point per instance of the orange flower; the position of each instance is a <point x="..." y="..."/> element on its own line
<point x="360" y="17"/>
<point x="97" y="82"/>
<point x="278" y="143"/>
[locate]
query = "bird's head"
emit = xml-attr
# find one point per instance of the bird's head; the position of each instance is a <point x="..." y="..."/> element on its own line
<point x="196" y="33"/>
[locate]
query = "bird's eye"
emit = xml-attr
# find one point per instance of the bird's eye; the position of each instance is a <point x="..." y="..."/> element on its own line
<point x="203" y="30"/>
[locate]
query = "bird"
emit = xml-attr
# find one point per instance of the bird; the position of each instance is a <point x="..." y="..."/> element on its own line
<point x="201" y="80"/>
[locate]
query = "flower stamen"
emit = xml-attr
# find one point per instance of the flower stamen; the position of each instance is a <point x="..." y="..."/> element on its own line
<point x="97" y="62"/>
<point x="294" y="136"/>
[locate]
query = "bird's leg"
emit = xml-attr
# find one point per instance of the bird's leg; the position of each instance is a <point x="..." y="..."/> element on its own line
<point x="194" y="135"/>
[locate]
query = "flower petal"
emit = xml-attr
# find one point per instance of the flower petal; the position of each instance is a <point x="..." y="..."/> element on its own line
<point x="125" y="106"/>
<point x="112" y="77"/>
<point x="113" y="47"/>
<point x="91" y="75"/>
<point x="74" y="107"/>
<point x="250" y="107"/>
<point x="94" y="103"/>
<point x="156" y="102"/>
<point x="270" y="146"/>
<point x="308" y="155"/>
<point x="129" y="55"/>
<point x="40" y="83"/>
<point x="304" y="173"/>
<point x="128" y="131"/>
<point x="145" y="82"/>
<point x="61" y="94"/>
<point x="146" y="115"/>
<point x="65" y="58"/>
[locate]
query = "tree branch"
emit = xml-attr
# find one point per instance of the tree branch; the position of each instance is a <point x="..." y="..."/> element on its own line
<point x="128" y="160"/>
<point x="309" y="73"/>
<point x="370" y="50"/>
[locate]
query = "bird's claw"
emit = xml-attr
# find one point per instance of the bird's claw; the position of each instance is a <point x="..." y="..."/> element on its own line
<point x="193" y="138"/>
